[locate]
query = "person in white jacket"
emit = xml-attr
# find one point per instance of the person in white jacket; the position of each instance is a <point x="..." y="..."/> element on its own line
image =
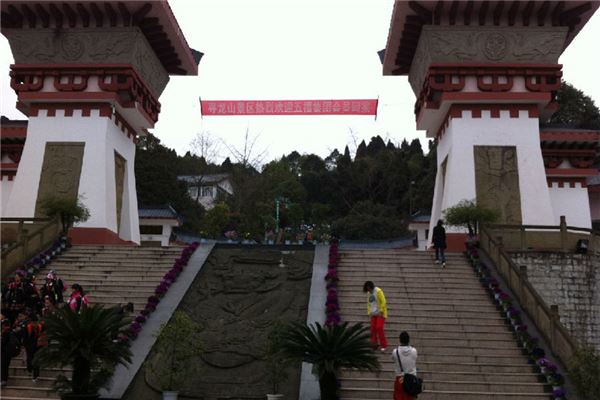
<point x="408" y="356"/>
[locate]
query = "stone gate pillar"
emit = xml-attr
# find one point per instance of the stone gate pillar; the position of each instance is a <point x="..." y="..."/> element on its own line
<point x="485" y="73"/>
<point x="88" y="75"/>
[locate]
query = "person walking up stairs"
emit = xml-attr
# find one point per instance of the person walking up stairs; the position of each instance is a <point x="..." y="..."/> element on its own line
<point x="113" y="275"/>
<point x="466" y="351"/>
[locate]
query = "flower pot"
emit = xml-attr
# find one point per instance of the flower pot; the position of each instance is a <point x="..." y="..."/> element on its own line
<point x="274" y="397"/>
<point x="169" y="395"/>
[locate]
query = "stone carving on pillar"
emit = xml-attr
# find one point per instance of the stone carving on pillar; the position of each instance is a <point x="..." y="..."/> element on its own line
<point x="120" y="164"/>
<point x="488" y="45"/>
<point x="90" y="46"/>
<point x="497" y="181"/>
<point x="236" y="297"/>
<point x="61" y="170"/>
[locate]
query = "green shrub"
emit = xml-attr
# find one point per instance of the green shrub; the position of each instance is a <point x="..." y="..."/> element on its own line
<point x="584" y="371"/>
<point x="69" y="210"/>
<point x="468" y="214"/>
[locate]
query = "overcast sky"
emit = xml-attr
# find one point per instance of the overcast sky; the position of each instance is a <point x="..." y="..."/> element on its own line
<point x="298" y="50"/>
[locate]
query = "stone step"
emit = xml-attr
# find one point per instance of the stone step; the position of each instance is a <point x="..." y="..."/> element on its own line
<point x="111" y="285"/>
<point x="110" y="276"/>
<point x="448" y="328"/>
<point x="454" y="385"/>
<point x="479" y="372"/>
<point x="26" y="380"/>
<point x="101" y="276"/>
<point x="426" y="307"/>
<point x="444" y="294"/>
<point x="351" y="280"/>
<point x="411" y="310"/>
<point x="21" y="371"/>
<point x="418" y="299"/>
<point x="392" y="334"/>
<point x="498" y="359"/>
<point x="408" y="286"/>
<point x="134" y="297"/>
<point x="445" y="320"/>
<point x="109" y="265"/>
<point x="396" y="266"/>
<point x="466" y="350"/>
<point x="352" y="394"/>
<point x="31" y="391"/>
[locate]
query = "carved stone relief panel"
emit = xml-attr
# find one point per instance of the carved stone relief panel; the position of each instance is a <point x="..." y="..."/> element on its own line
<point x="61" y="170"/>
<point x="120" y="164"/>
<point x="90" y="46"/>
<point x="488" y="45"/>
<point x="236" y="297"/>
<point x="497" y="181"/>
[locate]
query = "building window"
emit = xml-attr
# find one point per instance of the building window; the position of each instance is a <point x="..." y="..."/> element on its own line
<point x="207" y="191"/>
<point x="151" y="229"/>
<point x="193" y="191"/>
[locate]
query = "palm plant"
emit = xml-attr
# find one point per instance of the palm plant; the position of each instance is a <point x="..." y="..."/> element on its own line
<point x="88" y="342"/>
<point x="329" y="349"/>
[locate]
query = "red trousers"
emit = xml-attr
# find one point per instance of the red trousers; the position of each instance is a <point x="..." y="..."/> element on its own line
<point x="399" y="390"/>
<point x="377" y="334"/>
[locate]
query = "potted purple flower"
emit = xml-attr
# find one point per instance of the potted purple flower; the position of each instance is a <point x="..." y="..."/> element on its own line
<point x="559" y="394"/>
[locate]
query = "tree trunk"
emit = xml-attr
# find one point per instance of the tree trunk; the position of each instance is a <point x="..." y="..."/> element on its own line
<point x="328" y="386"/>
<point x="81" y="375"/>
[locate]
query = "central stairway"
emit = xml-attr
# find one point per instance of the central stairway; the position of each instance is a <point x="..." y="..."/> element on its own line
<point x="110" y="275"/>
<point x="465" y="350"/>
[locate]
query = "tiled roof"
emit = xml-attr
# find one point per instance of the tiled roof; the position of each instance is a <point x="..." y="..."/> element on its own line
<point x="157" y="212"/>
<point x="213" y="178"/>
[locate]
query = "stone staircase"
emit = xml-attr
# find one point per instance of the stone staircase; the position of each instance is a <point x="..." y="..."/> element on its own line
<point x="110" y="275"/>
<point x="465" y="350"/>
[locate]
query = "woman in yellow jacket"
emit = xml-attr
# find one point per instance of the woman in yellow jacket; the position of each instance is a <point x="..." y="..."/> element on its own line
<point x="377" y="308"/>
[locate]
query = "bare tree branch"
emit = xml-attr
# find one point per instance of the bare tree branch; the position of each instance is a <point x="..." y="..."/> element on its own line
<point x="247" y="156"/>
<point x="207" y="146"/>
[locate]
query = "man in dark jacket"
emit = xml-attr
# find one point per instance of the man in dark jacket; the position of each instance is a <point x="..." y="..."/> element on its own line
<point x="439" y="242"/>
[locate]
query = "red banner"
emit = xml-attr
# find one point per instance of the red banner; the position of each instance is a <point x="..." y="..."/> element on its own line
<point x="288" y="107"/>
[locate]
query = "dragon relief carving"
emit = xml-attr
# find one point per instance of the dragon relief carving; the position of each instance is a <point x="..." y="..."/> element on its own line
<point x="149" y="66"/>
<point x="453" y="45"/>
<point x="237" y="298"/>
<point x="113" y="47"/>
<point x="26" y="50"/>
<point x="538" y="46"/>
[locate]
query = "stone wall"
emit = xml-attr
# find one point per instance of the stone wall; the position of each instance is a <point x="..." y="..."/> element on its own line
<point x="571" y="281"/>
<point x="236" y="298"/>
